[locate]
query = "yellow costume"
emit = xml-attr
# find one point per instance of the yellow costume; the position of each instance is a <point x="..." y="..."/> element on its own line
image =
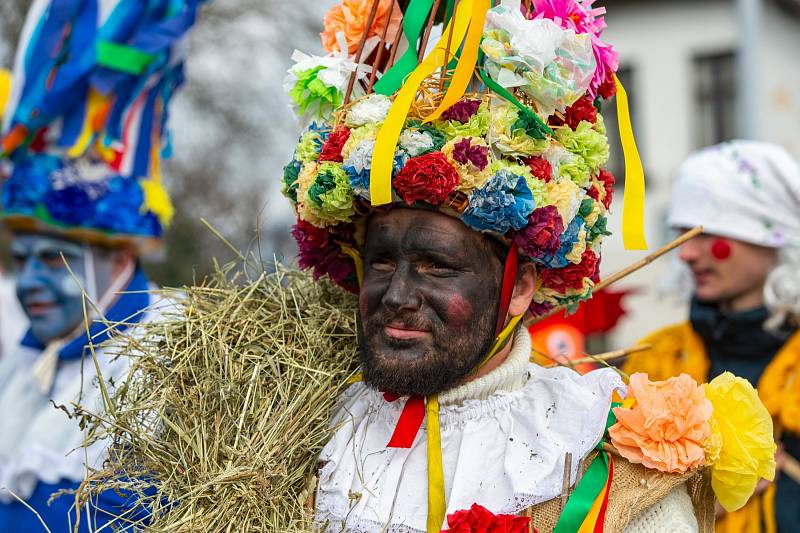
<point x="679" y="349"/>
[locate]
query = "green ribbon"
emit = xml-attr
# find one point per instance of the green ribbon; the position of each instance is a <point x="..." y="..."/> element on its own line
<point x="589" y="487"/>
<point x="584" y="495"/>
<point x="123" y="58"/>
<point x="413" y="23"/>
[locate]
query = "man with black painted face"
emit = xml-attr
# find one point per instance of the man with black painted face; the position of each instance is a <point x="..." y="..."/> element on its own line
<point x="83" y="198"/>
<point x="429" y="301"/>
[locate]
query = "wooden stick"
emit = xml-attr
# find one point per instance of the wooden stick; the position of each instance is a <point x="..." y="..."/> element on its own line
<point x="396" y="44"/>
<point x="447" y="49"/>
<point x="360" y="50"/>
<point x="607" y="356"/>
<point x="428" y="28"/>
<point x="381" y="47"/>
<point x="566" y="483"/>
<point x="641" y="263"/>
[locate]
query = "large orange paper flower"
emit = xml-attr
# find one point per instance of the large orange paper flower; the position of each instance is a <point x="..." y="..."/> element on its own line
<point x="667" y="425"/>
<point x="351" y="17"/>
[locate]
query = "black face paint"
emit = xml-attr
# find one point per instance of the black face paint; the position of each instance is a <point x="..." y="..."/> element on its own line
<point x="428" y="301"/>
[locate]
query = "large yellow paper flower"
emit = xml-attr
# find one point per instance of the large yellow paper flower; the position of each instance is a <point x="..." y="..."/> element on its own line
<point x="747" y="452"/>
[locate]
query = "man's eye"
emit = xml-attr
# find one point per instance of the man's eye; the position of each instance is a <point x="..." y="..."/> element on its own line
<point x="382" y="265"/>
<point x="19" y="259"/>
<point x="439" y="268"/>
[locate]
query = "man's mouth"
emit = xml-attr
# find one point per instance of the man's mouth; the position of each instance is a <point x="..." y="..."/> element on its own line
<point x="702" y="276"/>
<point x="39" y="308"/>
<point x="398" y="330"/>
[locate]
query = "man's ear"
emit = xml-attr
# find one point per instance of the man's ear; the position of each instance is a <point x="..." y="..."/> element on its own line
<point x="121" y="258"/>
<point x="524" y="289"/>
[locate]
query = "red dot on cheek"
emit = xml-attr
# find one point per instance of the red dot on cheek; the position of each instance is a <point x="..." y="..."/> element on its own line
<point x="721" y="249"/>
<point x="458" y="309"/>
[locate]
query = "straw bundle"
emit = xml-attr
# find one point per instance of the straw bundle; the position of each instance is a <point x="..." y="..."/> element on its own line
<point x="226" y="405"/>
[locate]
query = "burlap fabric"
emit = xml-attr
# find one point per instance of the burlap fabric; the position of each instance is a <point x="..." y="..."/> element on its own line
<point x="633" y="490"/>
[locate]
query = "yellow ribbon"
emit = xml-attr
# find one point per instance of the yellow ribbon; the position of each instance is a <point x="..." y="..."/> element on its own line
<point x="356" y="257"/>
<point x="380" y="176"/>
<point x="633" y="202"/>
<point x="95" y="105"/>
<point x="437" y="507"/>
<point x="5" y="89"/>
<point x="466" y="63"/>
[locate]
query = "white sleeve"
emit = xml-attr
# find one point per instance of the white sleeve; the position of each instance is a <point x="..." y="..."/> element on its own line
<point x="673" y="513"/>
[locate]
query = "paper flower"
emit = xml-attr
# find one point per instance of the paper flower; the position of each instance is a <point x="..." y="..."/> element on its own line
<point x="429" y="178"/>
<point x="580" y="16"/>
<point x="332" y="149"/>
<point x="502" y="204"/>
<point x="318" y="250"/>
<point x="369" y="110"/>
<point x="316" y="85"/>
<point x="573" y="276"/>
<point x="311" y="142"/>
<point x="666" y="427"/>
<point x="476" y="125"/>
<point x="417" y="142"/>
<point x="542" y="234"/>
<point x="289" y="182"/>
<point x="478" y="519"/>
<point x="462" y="110"/>
<point x="470" y="156"/>
<point x="509" y="137"/>
<point x="551" y="64"/>
<point x="351" y="17"/>
<point x="747" y="448"/>
<point x="587" y="141"/>
<point x="330" y="197"/>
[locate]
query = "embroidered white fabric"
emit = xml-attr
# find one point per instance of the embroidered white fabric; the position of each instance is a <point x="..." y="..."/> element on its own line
<point x="674" y="513"/>
<point x="38" y="441"/>
<point x="505" y="452"/>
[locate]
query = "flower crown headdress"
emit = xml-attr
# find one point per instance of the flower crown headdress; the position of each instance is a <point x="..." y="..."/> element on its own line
<point x="85" y="122"/>
<point x="496" y="122"/>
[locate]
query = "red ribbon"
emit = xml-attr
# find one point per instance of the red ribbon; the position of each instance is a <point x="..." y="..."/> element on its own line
<point x="601" y="517"/>
<point x="409" y="423"/>
<point x="507" y="290"/>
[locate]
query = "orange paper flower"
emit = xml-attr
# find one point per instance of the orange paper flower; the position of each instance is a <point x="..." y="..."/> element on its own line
<point x="667" y="426"/>
<point x="351" y="17"/>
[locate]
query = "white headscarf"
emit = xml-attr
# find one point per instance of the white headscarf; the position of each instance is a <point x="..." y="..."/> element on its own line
<point x="744" y="190"/>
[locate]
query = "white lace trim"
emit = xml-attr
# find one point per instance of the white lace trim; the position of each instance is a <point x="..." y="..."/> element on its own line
<point x="505" y="452"/>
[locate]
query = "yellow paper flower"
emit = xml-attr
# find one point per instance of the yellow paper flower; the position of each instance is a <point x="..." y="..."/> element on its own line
<point x="747" y="452"/>
<point x="156" y="200"/>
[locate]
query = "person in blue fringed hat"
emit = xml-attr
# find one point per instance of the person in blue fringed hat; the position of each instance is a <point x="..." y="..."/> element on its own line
<point x="83" y="135"/>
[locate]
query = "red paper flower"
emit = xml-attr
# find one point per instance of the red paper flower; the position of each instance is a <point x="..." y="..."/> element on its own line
<point x="571" y="276"/>
<point x="583" y="109"/>
<point x="429" y="178"/>
<point x="478" y="519"/>
<point x="319" y="250"/>
<point x="540" y="167"/>
<point x="608" y="88"/>
<point x="462" y="110"/>
<point x="542" y="234"/>
<point x="332" y="149"/>
<point x="608" y="184"/>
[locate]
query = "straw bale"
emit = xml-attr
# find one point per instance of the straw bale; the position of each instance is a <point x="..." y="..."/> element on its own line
<point x="218" y="425"/>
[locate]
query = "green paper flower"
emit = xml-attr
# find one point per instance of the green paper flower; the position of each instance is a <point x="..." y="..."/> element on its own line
<point x="588" y="142"/>
<point x="330" y="197"/>
<point x="311" y="93"/>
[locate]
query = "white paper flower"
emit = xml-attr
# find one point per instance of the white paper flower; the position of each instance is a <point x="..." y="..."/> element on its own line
<point x="415" y="142"/>
<point x="370" y="110"/>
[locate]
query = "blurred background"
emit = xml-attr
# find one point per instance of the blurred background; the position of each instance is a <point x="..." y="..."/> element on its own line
<point x="697" y="73"/>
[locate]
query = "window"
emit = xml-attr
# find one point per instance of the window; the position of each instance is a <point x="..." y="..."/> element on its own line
<point x="616" y="161"/>
<point x="715" y="98"/>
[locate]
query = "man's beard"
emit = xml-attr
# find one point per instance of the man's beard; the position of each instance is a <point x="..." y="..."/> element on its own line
<point x="450" y="358"/>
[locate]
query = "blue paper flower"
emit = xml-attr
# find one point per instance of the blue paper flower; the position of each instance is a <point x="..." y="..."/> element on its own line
<point x="120" y="209"/>
<point x="502" y="204"/>
<point x="359" y="178"/>
<point x="70" y="206"/>
<point x="25" y="189"/>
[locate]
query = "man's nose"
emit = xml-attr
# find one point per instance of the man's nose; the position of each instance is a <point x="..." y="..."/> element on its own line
<point x="402" y="292"/>
<point x="691" y="250"/>
<point x="29" y="275"/>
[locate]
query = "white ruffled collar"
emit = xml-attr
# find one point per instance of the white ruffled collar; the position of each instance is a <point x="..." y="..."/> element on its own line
<point x="504" y="451"/>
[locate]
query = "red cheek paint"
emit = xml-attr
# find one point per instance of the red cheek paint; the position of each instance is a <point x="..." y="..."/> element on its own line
<point x="459" y="310"/>
<point x="721" y="249"/>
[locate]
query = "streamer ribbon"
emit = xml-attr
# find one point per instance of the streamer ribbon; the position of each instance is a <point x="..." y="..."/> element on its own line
<point x="633" y="202"/>
<point x="383" y="154"/>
